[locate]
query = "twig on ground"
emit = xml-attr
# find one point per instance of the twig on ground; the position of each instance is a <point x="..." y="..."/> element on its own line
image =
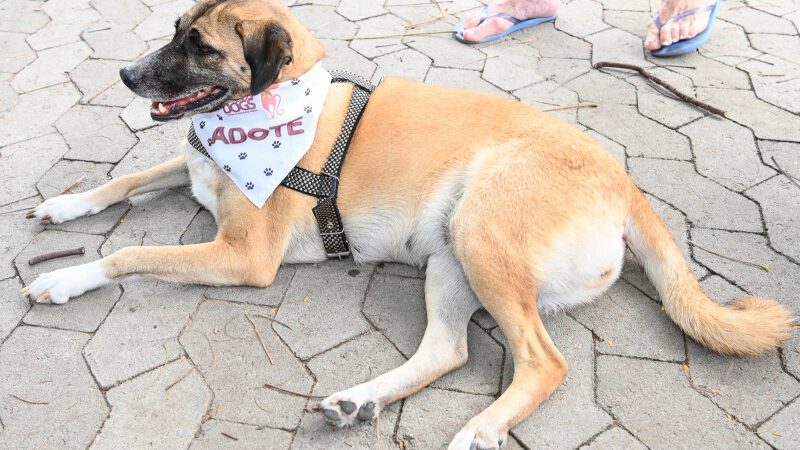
<point x="73" y="185"/>
<point x="172" y="385"/>
<point x="730" y="258"/>
<point x="229" y="436"/>
<point x="272" y="320"/>
<point x="296" y="394"/>
<point x="402" y="35"/>
<point x="662" y="83"/>
<point x="30" y="402"/>
<point x="260" y="338"/>
<point x="442" y="13"/>
<point x="784" y="173"/>
<point x="562" y="108"/>
<point x="55" y="255"/>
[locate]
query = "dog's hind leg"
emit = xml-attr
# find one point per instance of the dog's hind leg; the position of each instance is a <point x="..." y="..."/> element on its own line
<point x="63" y="208"/>
<point x="449" y="303"/>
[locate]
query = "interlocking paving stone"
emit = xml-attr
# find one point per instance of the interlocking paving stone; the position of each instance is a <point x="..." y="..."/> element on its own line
<point x="50" y="67"/>
<point x="778" y="197"/>
<point x="448" y="53"/>
<point x="269" y="296"/>
<point x="664" y="108"/>
<point x="201" y="229"/>
<point x="141" y="333"/>
<point x="787" y="155"/>
<point x="385" y="25"/>
<point x="317" y="293"/>
<point x="81" y="314"/>
<point x="356" y="10"/>
<point x="16" y="52"/>
<point x="240" y="395"/>
<point x="98" y="80"/>
<point x="22" y="16"/>
<point x="572" y="404"/>
<point x="618" y="46"/>
<point x="432" y="417"/>
<point x="325" y="22"/>
<point x="613" y="439"/>
<point x="615" y="149"/>
<point x="69" y="19"/>
<point x="41" y="365"/>
<point x="639" y="135"/>
<point x="706" y="72"/>
<point x="780" y="282"/>
<point x="160" y="22"/>
<point x="601" y="88"/>
<point x="646" y="396"/>
<point x="8" y="96"/>
<point x="106" y="140"/>
<point x="115" y="43"/>
<point x="775" y="81"/>
<point x="750" y="389"/>
<point x="239" y="437"/>
<point x="155" y="146"/>
<point x="158" y="218"/>
<point x="551" y="43"/>
<point x="755" y="21"/>
<point x="12" y="306"/>
<point x="137" y="115"/>
<point x="563" y="70"/>
<point x="631" y="21"/>
<point x="157" y="410"/>
<point x="125" y="14"/>
<point x="765" y="120"/>
<point x="706" y="204"/>
<point x="581" y="18"/>
<point x="511" y="67"/>
<point x="630" y="324"/>
<point x="791" y="354"/>
<point x="401" y="270"/>
<point x="783" y="429"/>
<point x="35" y="112"/>
<point x="462" y="79"/>
<point x="726" y="153"/>
<point x="408" y="63"/>
<point x="550" y="95"/>
<point x="782" y="46"/>
<point x="342" y="57"/>
<point x="25" y="163"/>
<point x="733" y="48"/>
<point x="15" y="233"/>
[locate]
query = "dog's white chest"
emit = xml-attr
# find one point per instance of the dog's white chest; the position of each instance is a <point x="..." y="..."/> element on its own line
<point x="203" y="173"/>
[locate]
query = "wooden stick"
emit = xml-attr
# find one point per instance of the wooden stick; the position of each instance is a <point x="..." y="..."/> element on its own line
<point x="55" y="255"/>
<point x="71" y="186"/>
<point x="784" y="173"/>
<point x="30" y="402"/>
<point x="390" y="36"/>
<point x="172" y="385"/>
<point x="229" y="436"/>
<point x="562" y="108"/>
<point x="662" y="83"/>
<point x="260" y="339"/>
<point x="730" y="258"/>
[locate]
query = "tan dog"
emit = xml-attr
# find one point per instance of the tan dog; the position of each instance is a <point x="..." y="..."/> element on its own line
<point x="510" y="209"/>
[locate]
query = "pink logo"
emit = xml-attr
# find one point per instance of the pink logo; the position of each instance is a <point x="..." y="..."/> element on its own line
<point x="271" y="103"/>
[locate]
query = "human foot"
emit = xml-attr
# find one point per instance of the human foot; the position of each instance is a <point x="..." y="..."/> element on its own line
<point x="679" y="29"/>
<point x="474" y="31"/>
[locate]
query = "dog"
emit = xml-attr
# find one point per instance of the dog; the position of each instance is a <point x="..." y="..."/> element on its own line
<point x="506" y="207"/>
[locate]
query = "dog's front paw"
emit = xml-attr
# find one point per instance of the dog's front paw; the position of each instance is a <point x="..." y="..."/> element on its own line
<point x="64" y="208"/>
<point x="478" y="438"/>
<point x="344" y="408"/>
<point x="59" y="286"/>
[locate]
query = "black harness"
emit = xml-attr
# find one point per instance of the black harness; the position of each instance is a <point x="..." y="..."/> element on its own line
<point x="325" y="185"/>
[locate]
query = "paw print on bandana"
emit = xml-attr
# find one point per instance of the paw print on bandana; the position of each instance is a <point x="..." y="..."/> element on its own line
<point x="227" y="168"/>
<point x="249" y="186"/>
<point x="243" y="155"/>
<point x="268" y="172"/>
<point x="276" y="144"/>
<point x="308" y="92"/>
<point x="307" y="109"/>
<point x="295" y="82"/>
<point x="219" y="117"/>
<point x="209" y="142"/>
<point x="202" y="125"/>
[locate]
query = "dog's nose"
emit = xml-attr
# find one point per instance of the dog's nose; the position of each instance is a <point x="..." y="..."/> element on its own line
<point x="129" y="77"/>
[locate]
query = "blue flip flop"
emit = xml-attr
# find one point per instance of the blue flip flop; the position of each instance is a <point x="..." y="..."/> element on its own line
<point x="688" y="45"/>
<point x="516" y="25"/>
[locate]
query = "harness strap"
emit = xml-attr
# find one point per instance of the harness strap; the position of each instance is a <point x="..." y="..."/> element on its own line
<point x="325" y="185"/>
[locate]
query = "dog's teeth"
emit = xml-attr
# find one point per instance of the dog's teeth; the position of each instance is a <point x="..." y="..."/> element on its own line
<point x="162" y="109"/>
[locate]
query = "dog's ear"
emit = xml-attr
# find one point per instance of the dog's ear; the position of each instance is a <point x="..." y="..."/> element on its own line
<point x="267" y="48"/>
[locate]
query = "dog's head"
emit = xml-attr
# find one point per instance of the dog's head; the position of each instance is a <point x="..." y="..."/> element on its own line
<point x="222" y="50"/>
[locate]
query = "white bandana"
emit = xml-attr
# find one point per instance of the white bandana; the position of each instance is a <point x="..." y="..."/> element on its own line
<point x="257" y="140"/>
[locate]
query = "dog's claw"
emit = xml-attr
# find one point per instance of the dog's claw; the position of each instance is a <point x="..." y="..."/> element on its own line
<point x="43" y="298"/>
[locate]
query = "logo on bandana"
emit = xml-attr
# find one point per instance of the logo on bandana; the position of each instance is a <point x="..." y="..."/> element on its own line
<point x="271" y="102"/>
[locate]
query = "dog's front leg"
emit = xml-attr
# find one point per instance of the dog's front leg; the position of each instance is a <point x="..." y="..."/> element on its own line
<point x="63" y="208"/>
<point x="212" y="263"/>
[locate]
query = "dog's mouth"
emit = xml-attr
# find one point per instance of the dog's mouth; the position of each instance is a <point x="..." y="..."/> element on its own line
<point x="175" y="109"/>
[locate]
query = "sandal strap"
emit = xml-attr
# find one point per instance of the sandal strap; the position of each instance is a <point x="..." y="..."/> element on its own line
<point x="500" y="15"/>
<point x="659" y="25"/>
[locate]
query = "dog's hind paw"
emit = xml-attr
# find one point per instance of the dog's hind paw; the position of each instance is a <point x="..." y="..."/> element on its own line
<point x="343" y="409"/>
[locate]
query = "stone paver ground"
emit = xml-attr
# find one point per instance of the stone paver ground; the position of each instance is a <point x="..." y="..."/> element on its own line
<point x="150" y="364"/>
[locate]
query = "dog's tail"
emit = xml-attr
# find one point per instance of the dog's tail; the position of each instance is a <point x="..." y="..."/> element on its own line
<point x="749" y="326"/>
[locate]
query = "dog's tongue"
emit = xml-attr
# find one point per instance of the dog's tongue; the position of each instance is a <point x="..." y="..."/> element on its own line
<point x="179" y="105"/>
